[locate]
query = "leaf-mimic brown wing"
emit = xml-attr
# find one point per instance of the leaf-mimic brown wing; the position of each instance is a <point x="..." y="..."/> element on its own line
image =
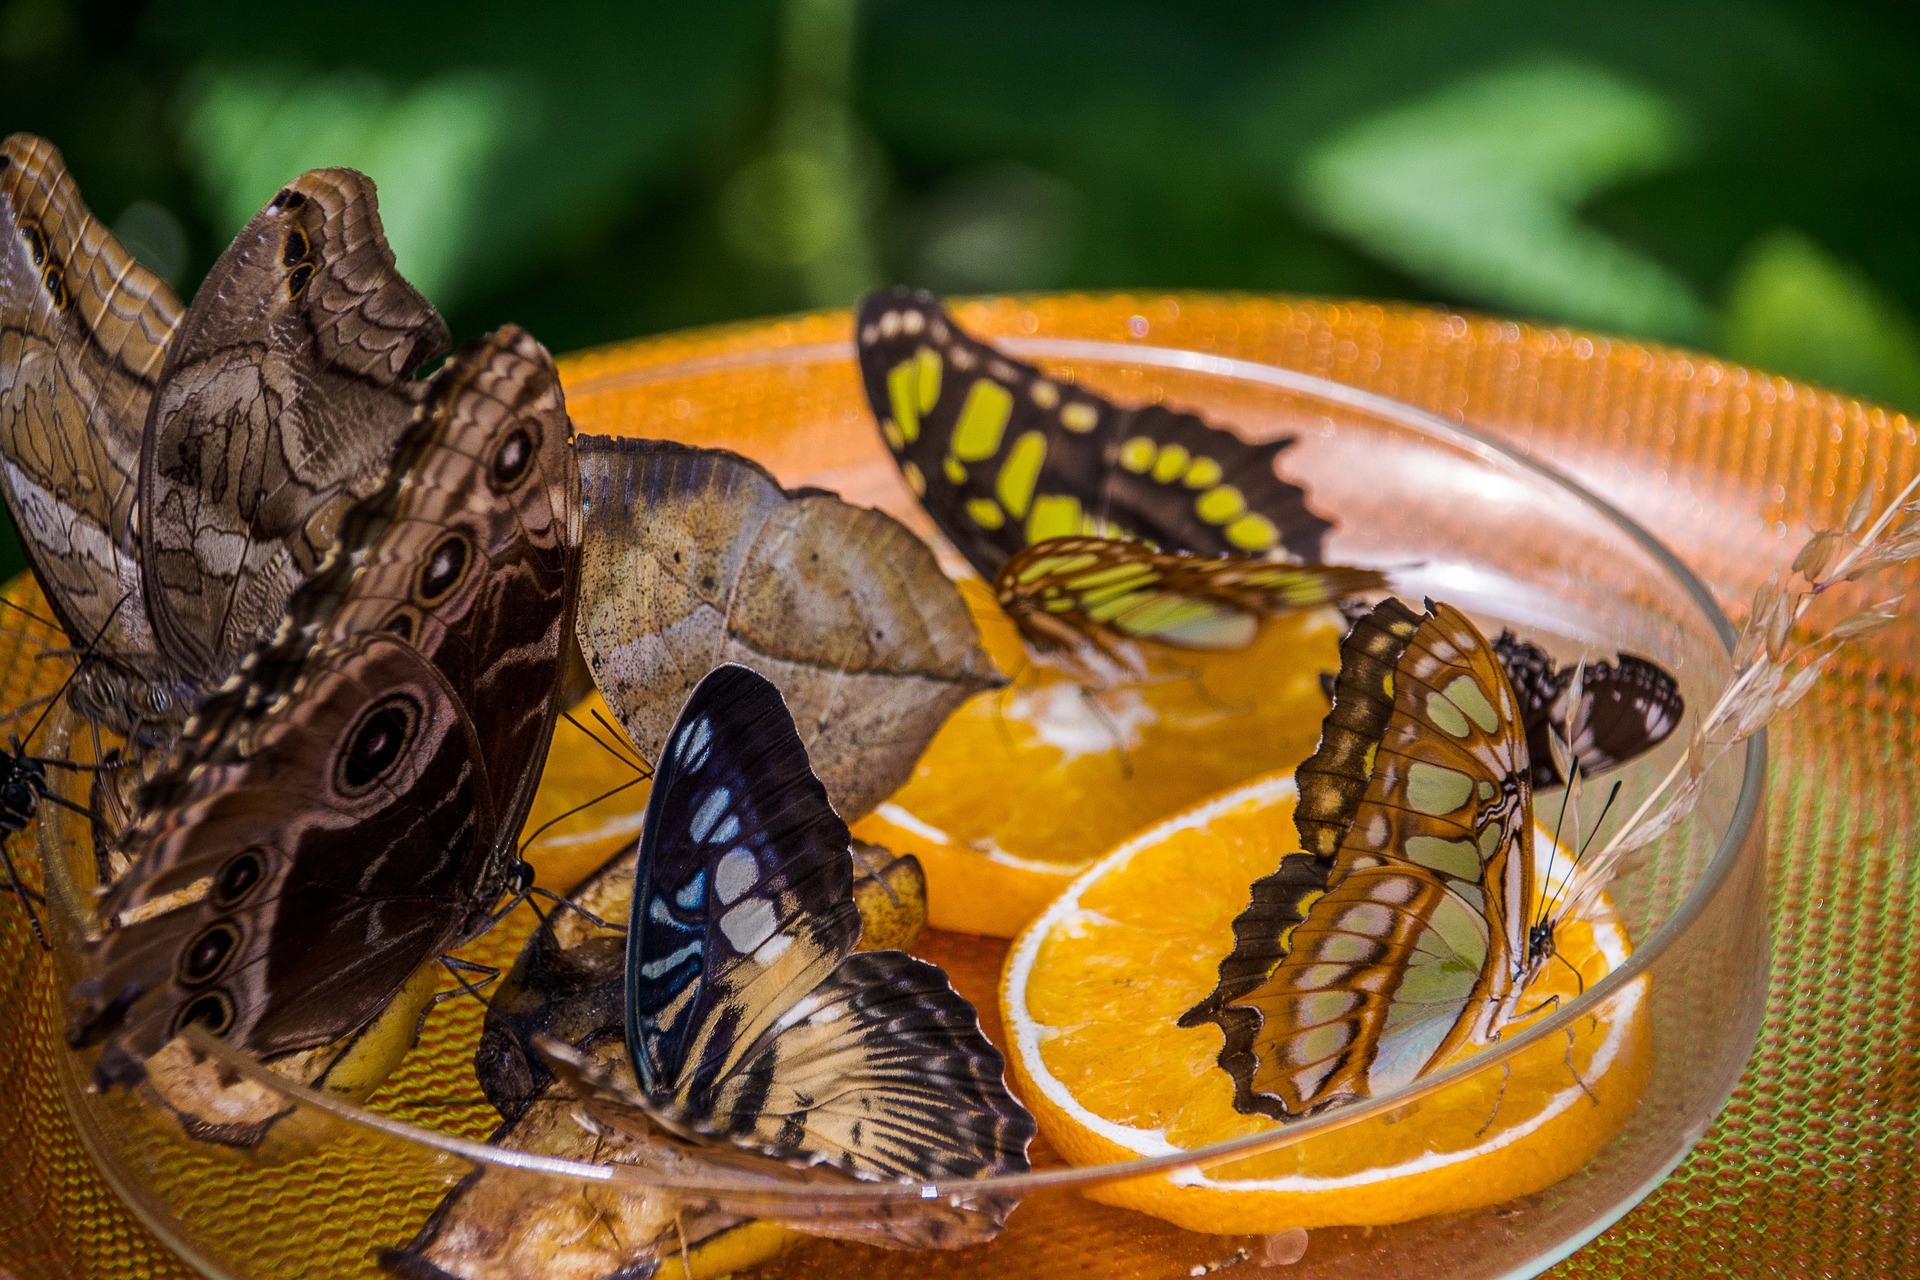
<point x="695" y="557"/>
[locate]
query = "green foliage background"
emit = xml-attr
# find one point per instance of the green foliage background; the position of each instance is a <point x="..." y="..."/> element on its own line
<point x="1733" y="176"/>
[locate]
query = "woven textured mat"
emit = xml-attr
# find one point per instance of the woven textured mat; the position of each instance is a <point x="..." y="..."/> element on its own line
<point x="1811" y="1169"/>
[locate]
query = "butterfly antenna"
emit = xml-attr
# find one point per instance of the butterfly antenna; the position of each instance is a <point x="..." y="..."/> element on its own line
<point x="91" y="647"/>
<point x="873" y="872"/>
<point x="17" y="607"/>
<point x="1579" y="857"/>
<point x="607" y="746"/>
<point x="579" y="808"/>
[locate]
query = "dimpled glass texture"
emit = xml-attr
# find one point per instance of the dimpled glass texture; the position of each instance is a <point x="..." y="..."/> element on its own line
<point x="1728" y="468"/>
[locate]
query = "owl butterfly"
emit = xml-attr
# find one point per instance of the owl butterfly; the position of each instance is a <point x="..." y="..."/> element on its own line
<point x="1009" y="463"/>
<point x="569" y="984"/>
<point x="343" y="812"/>
<point x="694" y="557"/>
<point x="239" y="432"/>
<point x="758" y="1044"/>
<point x="1408" y="925"/>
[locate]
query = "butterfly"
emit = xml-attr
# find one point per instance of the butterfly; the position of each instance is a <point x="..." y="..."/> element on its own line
<point x="1082" y="601"/>
<point x="343" y="811"/>
<point x="692" y="557"/>
<point x="1622" y="708"/>
<point x="757" y="1039"/>
<point x="1009" y="463"/>
<point x="1406" y="926"/>
<point x="569" y="984"/>
<point x="237" y="431"/>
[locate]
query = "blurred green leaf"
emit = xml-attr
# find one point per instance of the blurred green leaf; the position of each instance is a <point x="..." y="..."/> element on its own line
<point x="431" y="150"/>
<point x="1476" y="188"/>
<point x="1796" y="309"/>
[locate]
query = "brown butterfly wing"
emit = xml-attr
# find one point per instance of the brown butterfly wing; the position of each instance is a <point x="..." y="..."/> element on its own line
<point x="83" y="333"/>
<point x="458" y="575"/>
<point x="695" y="557"/>
<point x="291" y="889"/>
<point x="1393" y="939"/>
<point x="283" y="394"/>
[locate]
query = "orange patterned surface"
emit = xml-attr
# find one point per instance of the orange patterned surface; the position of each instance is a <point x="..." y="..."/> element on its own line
<point x="1810" y="1169"/>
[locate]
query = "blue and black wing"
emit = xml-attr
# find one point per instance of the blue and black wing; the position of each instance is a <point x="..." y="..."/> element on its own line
<point x="749" y="1021"/>
<point x="1003" y="456"/>
<point x="743" y="895"/>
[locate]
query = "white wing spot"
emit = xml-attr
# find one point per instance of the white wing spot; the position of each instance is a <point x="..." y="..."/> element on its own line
<point x="709" y="812"/>
<point x="690" y="893"/>
<point x="748" y="925"/>
<point x="729" y="828"/>
<point x="736" y="874"/>
<point x="695" y="740"/>
<point x="654" y="968"/>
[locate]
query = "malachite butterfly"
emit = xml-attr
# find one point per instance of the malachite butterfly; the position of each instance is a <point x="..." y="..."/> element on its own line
<point x="1007" y="461"/>
<point x="1406" y="926"/>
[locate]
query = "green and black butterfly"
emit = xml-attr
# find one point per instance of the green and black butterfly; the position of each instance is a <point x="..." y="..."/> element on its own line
<point x="1408" y="924"/>
<point x="1024" y="474"/>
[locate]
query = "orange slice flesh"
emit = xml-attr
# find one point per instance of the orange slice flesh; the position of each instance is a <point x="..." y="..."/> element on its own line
<point x="1093" y="990"/>
<point x="1023" y="787"/>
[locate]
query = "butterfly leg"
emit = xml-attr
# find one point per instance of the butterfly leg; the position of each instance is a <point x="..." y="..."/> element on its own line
<point x="1092" y="701"/>
<point x="27" y="894"/>
<point x="460" y="969"/>
<point x="1506" y="1077"/>
<point x="568" y="904"/>
<point x="1577" y="1077"/>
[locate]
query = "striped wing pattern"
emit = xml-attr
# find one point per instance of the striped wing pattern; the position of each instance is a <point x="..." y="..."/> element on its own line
<point x="749" y="1022"/>
<point x="1085" y="600"/>
<point x="1397" y="933"/>
<point x="1003" y="456"/>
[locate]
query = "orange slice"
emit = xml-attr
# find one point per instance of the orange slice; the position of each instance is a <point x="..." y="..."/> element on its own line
<point x="1022" y="788"/>
<point x="1094" y="987"/>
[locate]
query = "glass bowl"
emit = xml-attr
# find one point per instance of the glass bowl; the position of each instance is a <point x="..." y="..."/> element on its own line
<point x="1451" y="512"/>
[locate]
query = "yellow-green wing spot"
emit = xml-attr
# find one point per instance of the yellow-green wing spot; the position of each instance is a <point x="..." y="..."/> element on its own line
<point x="985" y="512"/>
<point x="903" y="393"/>
<point x="1457" y="858"/>
<point x="1465" y="692"/>
<point x="1203" y="474"/>
<point x="1080" y="417"/>
<point x="1171" y="464"/>
<point x="983" y="420"/>
<point x="1435" y="790"/>
<point x="1442" y="711"/>
<point x="1220" y="504"/>
<point x="1018" y="474"/>
<point x="1053" y="516"/>
<point x="1253" y="533"/>
<point x="1136" y="455"/>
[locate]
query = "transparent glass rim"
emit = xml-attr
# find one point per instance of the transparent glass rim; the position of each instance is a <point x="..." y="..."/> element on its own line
<point x="1713" y="877"/>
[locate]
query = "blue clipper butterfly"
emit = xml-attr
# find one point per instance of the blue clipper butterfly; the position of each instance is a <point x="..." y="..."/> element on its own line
<point x="758" y="1040"/>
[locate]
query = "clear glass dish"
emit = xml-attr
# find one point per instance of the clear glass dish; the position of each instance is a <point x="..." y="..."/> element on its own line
<point x="1454" y="513"/>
